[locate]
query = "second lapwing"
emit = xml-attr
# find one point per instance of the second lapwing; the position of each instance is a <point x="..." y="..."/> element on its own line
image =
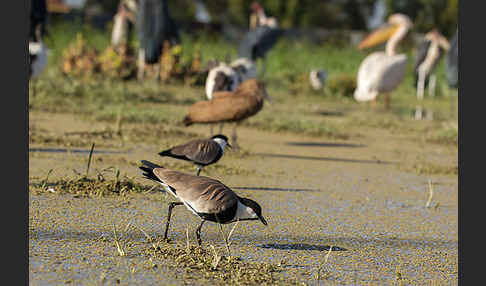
<point x="202" y="152"/>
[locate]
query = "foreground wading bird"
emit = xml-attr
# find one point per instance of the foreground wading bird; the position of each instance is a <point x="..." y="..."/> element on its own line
<point x="207" y="198"/>
<point x="201" y="152"/>
<point x="382" y="72"/>
<point x="428" y="55"/>
<point x="235" y="106"/>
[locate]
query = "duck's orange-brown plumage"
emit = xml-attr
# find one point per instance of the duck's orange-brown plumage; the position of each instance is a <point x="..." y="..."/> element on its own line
<point x="225" y="106"/>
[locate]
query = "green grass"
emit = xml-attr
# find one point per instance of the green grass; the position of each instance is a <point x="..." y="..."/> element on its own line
<point x="295" y="106"/>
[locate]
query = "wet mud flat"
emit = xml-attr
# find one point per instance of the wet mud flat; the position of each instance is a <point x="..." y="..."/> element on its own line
<point x="348" y="212"/>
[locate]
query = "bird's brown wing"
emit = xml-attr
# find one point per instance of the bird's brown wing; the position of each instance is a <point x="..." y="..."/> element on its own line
<point x="221" y="94"/>
<point x="225" y="108"/>
<point x="204" y="194"/>
<point x="200" y="151"/>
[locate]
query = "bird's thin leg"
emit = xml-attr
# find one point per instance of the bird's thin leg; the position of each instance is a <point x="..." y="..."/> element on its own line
<point x="418" y="112"/>
<point x="373" y="103"/>
<point x="157" y="72"/>
<point x="263" y="67"/>
<point x="211" y="129"/>
<point x="387" y="101"/>
<point x="432" y="81"/>
<point x="234" y="137"/>
<point x="171" y="206"/>
<point x="420" y="85"/>
<point x="198" y="232"/>
<point x="199" y="168"/>
<point x="141" y="64"/>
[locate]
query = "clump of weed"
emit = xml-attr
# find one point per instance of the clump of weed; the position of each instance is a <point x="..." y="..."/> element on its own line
<point x="83" y="186"/>
<point x="341" y="85"/>
<point x="205" y="264"/>
<point x="447" y="135"/>
<point x="426" y="168"/>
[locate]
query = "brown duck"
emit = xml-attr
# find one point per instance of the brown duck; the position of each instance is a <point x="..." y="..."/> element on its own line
<point x="229" y="106"/>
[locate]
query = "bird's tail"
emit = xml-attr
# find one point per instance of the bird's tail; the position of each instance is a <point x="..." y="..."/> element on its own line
<point x="148" y="169"/>
<point x="165" y="153"/>
<point x="187" y="121"/>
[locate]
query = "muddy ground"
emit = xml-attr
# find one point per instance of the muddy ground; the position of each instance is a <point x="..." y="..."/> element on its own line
<point x="365" y="197"/>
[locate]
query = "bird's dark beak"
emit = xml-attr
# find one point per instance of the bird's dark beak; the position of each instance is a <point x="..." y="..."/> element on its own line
<point x="228" y="145"/>
<point x="262" y="220"/>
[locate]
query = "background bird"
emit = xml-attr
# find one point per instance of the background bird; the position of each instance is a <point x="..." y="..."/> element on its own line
<point x="224" y="77"/>
<point x="261" y="37"/>
<point x="258" y="17"/>
<point x="37" y="31"/>
<point x="317" y="78"/>
<point x="428" y="55"/>
<point x="245" y="69"/>
<point x="221" y="78"/>
<point x="125" y="15"/>
<point x="154" y="26"/>
<point x="206" y="198"/>
<point x="382" y="72"/>
<point x="256" y="43"/>
<point x="202" y="152"/>
<point x="452" y="62"/>
<point x="245" y="101"/>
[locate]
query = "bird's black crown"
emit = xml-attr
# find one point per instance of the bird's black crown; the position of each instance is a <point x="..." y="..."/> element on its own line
<point x="221" y="136"/>
<point x="254" y="206"/>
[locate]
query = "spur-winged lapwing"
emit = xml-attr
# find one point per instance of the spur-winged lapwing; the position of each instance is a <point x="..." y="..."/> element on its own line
<point x="226" y="106"/>
<point x="201" y="152"/>
<point x="207" y="198"/>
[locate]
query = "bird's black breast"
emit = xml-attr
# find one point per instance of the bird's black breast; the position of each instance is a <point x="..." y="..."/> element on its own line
<point x="225" y="216"/>
<point x="216" y="159"/>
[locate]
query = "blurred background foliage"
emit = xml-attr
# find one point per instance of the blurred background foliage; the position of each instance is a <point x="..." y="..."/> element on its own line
<point x="305" y="14"/>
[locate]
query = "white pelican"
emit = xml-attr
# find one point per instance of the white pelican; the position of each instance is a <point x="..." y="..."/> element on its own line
<point x="428" y="55"/>
<point x="382" y="72"/>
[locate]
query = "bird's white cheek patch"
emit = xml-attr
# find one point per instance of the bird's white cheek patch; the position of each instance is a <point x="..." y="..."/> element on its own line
<point x="245" y="212"/>
<point x="249" y="213"/>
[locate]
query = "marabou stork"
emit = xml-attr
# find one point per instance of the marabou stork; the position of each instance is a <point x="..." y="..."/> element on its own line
<point x="262" y="36"/>
<point x="452" y="63"/>
<point x="382" y="72"/>
<point x="37" y="48"/>
<point x="154" y="26"/>
<point x="126" y="13"/>
<point x="428" y="55"/>
<point x="258" y="17"/>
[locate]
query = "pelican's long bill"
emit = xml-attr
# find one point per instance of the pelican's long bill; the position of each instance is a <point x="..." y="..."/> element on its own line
<point x="380" y="35"/>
